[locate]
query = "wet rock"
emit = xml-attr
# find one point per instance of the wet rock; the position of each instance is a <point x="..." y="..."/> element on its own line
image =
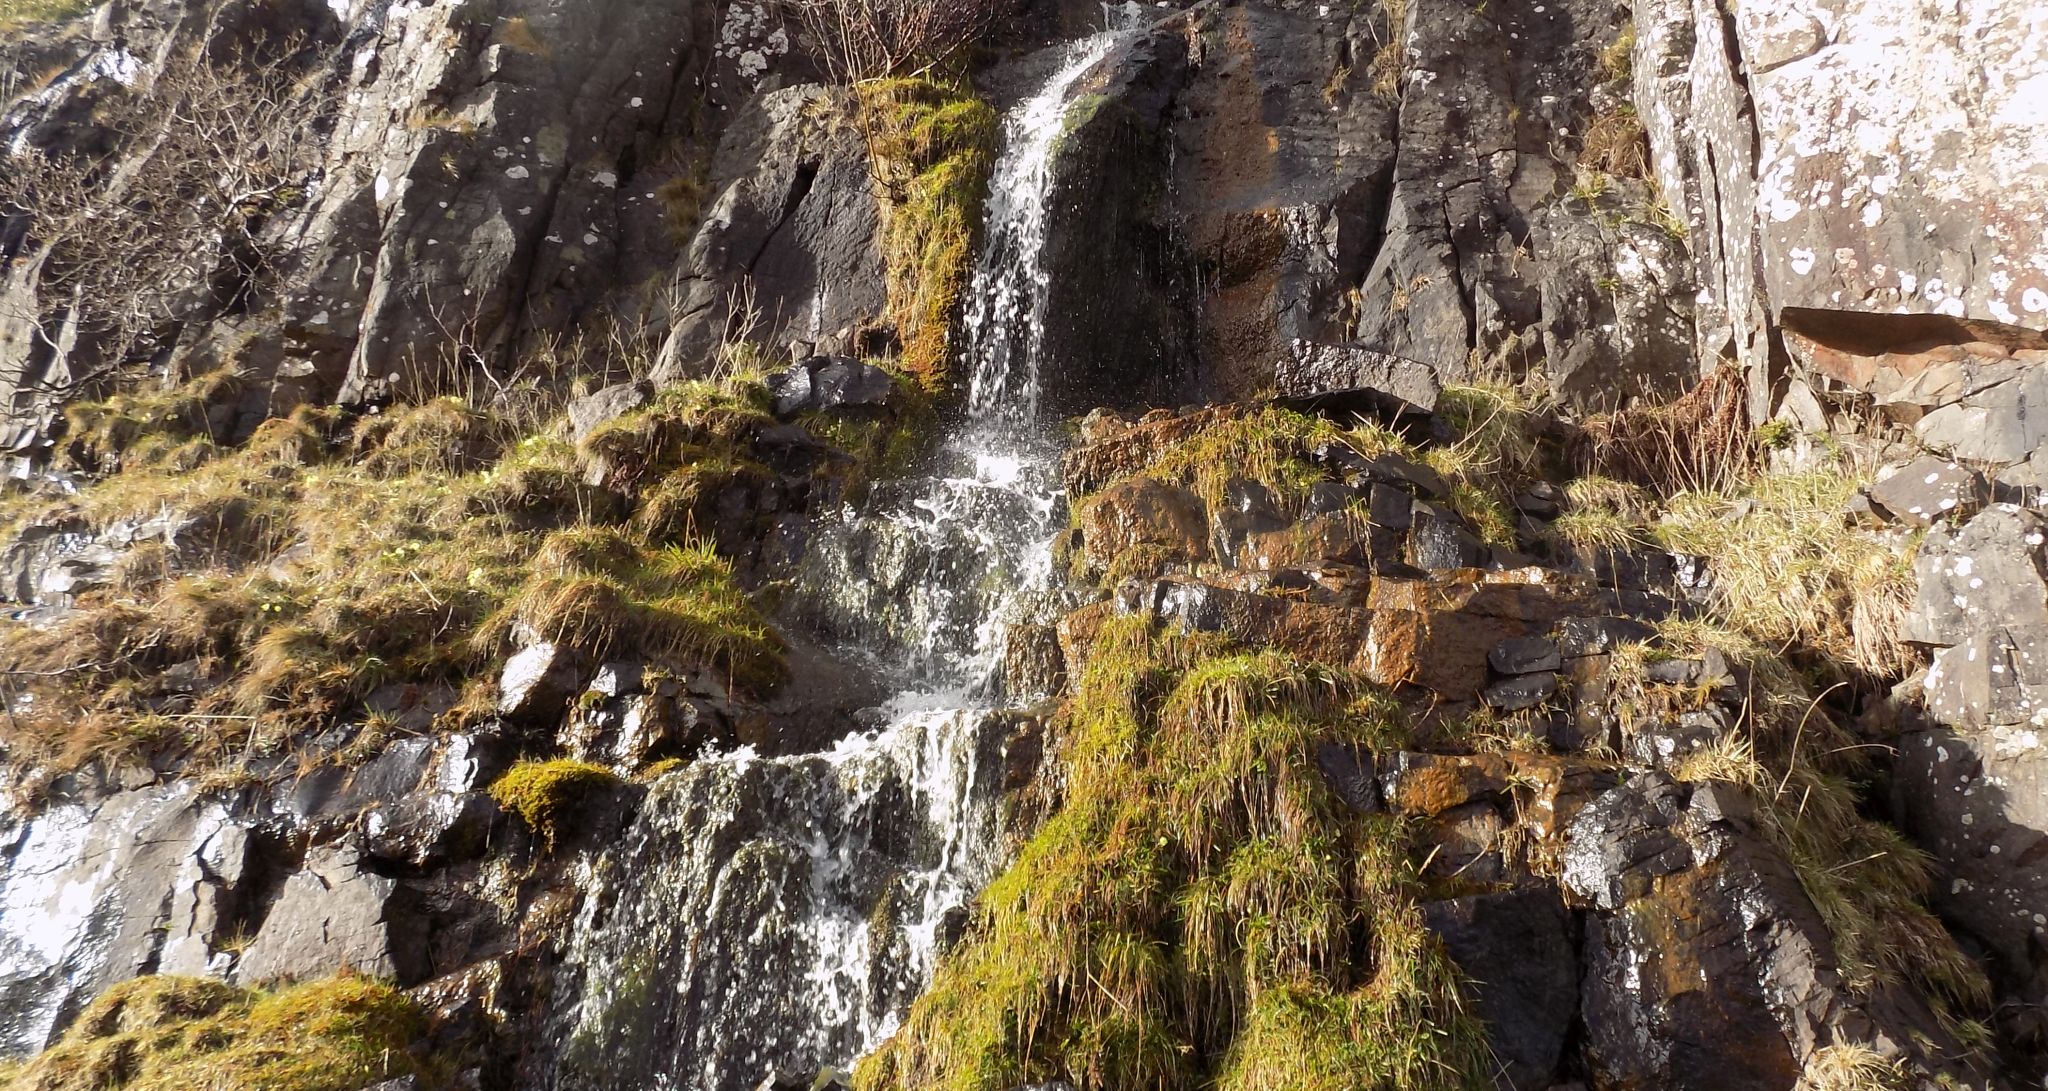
<point x="827" y="383"/>
<point x="1525" y="655"/>
<point x="1622" y="842"/>
<point x="1144" y="514"/>
<point x="95" y="893"/>
<point x="1116" y="265"/>
<point x="1351" y="380"/>
<point x="1438" y="541"/>
<point x="1032" y="662"/>
<point x="1521" y="693"/>
<point x="1661" y="746"/>
<point x="1929" y="490"/>
<point x="1583" y="636"/>
<point x="1517" y="949"/>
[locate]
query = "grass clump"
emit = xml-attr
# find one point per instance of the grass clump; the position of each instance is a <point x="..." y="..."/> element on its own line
<point x="315" y="562"/>
<point x="934" y="145"/>
<point x="543" y="793"/>
<point x="1789" y="572"/>
<point x="151" y="425"/>
<point x="1268" y="446"/>
<point x="1853" y="1067"/>
<point x="603" y="592"/>
<point x="1198" y="911"/>
<point x="176" y="1034"/>
<point x="20" y="14"/>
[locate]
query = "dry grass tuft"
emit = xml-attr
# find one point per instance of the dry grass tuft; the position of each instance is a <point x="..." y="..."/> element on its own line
<point x="1701" y="441"/>
<point x="1850" y="1067"/>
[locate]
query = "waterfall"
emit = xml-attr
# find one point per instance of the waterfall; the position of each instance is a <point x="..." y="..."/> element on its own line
<point x="770" y="919"/>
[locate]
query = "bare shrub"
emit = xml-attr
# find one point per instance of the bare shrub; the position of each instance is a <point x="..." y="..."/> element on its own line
<point x="871" y="39"/>
<point x="169" y="224"/>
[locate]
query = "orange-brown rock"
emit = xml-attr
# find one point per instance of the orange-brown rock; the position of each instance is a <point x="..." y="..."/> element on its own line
<point x="1163" y="523"/>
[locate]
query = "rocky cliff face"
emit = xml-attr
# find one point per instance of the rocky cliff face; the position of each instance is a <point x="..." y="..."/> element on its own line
<point x="1405" y="545"/>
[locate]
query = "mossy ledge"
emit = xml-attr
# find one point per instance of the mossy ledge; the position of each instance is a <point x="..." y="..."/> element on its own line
<point x="183" y="1034"/>
<point x="542" y="793"/>
<point x="1199" y="910"/>
<point x="934" y="145"/>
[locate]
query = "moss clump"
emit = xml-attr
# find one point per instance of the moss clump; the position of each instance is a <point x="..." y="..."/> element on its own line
<point x="543" y="793"/>
<point x="603" y="592"/>
<point x="1198" y="911"/>
<point x="175" y="1034"/>
<point x="934" y="144"/>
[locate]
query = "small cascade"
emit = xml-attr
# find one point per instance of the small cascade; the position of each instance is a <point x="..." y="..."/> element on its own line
<point x="767" y="920"/>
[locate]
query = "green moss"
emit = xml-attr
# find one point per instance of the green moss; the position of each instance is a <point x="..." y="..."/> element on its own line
<point x="174" y="1034"/>
<point x="935" y="145"/>
<point x="1189" y="914"/>
<point x="543" y="793"/>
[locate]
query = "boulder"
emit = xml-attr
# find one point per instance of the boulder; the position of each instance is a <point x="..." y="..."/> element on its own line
<point x="1929" y="490"/>
<point x="1990" y="571"/>
<point x="335" y="913"/>
<point x="828" y="383"/>
<point x="587" y="413"/>
<point x="537" y="682"/>
<point x="1348" y="380"/>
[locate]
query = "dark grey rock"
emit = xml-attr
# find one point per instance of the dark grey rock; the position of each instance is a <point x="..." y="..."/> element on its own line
<point x="1352" y="774"/>
<point x="1582" y="636"/>
<point x="1438" y="541"/>
<point x="825" y="383"/>
<point x="1392" y="469"/>
<point x="334" y="912"/>
<point x="1517" y="949"/>
<point x="589" y="412"/>
<point x="1525" y="655"/>
<point x="1521" y="692"/>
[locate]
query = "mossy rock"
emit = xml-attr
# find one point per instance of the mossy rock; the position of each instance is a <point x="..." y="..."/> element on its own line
<point x="545" y="793"/>
<point x="180" y="1034"/>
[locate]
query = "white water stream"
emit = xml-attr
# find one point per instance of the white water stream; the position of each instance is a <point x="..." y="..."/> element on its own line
<point x="768" y="919"/>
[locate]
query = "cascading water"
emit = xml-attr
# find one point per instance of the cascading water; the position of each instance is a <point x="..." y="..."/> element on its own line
<point x="767" y="919"/>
